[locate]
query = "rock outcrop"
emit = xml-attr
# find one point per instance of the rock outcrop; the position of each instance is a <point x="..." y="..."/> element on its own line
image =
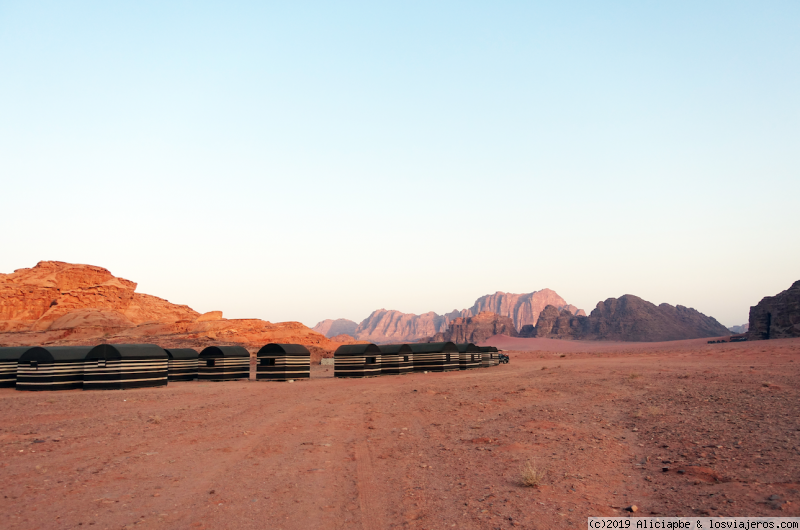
<point x="340" y="326"/>
<point x="63" y="304"/>
<point x="524" y="309"/>
<point x="477" y="329"/>
<point x="628" y="318"/>
<point x="776" y="317"/>
<point x="33" y="299"/>
<point x="736" y="330"/>
<point x="384" y="326"/>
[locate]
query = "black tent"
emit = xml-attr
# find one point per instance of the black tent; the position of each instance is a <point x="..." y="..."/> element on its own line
<point x="281" y="362"/>
<point x="120" y="366"/>
<point x="396" y="359"/>
<point x="52" y="368"/>
<point x="435" y="356"/>
<point x="469" y="356"/>
<point x="357" y="360"/>
<point x="489" y="356"/>
<point x="182" y="364"/>
<point x="8" y="365"/>
<point x="224" y="363"/>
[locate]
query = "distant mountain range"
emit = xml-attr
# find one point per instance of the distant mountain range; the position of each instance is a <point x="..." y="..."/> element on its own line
<point x="627" y="318"/>
<point x="384" y="325"/>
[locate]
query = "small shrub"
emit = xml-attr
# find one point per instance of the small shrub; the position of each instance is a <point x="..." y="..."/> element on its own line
<point x="634" y="376"/>
<point x="544" y="368"/>
<point x="531" y="475"/>
<point x="155" y="419"/>
<point x="563" y="355"/>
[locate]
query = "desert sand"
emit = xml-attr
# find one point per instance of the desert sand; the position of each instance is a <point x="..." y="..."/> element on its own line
<point x="684" y="428"/>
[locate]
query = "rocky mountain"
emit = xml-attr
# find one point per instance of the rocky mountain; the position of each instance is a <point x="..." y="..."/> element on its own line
<point x="59" y="303"/>
<point x="476" y="329"/>
<point x="628" y="318"/>
<point x="739" y="329"/>
<point x="524" y="309"/>
<point x="332" y="328"/>
<point x="776" y="317"/>
<point x="384" y="326"/>
<point x="33" y="299"/>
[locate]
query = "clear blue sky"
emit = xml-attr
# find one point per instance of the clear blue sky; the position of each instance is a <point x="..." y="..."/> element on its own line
<point x="311" y="160"/>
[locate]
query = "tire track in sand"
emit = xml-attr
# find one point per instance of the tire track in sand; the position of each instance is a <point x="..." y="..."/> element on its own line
<point x="371" y="518"/>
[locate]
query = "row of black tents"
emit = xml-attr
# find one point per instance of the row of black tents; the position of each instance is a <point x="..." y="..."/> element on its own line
<point x="368" y="360"/>
<point x="119" y="366"/>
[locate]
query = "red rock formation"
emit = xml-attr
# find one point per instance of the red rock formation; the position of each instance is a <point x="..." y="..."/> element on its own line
<point x="384" y="326"/>
<point x="340" y="326"/>
<point x="524" y="308"/>
<point x="32" y="299"/>
<point x="477" y="329"/>
<point x="65" y="304"/>
<point x="776" y="317"/>
<point x="628" y="318"/>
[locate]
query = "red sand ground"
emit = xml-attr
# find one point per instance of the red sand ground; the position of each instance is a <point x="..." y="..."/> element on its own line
<point x="424" y="451"/>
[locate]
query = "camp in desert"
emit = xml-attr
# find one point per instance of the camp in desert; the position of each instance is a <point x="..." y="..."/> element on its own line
<point x="399" y="265"/>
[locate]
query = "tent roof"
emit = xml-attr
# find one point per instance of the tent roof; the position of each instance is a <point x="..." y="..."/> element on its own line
<point x="126" y="351"/>
<point x="55" y="353"/>
<point x="279" y="349"/>
<point x="182" y="353"/>
<point x="468" y="348"/>
<point x="225" y="351"/>
<point x="488" y="349"/>
<point x="395" y="348"/>
<point x="356" y="349"/>
<point x="434" y="347"/>
<point x="12" y="353"/>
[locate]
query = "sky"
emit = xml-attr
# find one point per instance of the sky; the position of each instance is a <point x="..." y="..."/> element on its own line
<point x="296" y="161"/>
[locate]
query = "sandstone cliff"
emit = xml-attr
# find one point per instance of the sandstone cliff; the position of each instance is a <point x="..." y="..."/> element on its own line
<point x="776" y="317"/>
<point x="63" y="304"/>
<point x="628" y="318"/>
<point x="33" y="299"/>
<point x="524" y="308"/>
<point x="332" y="328"/>
<point x="384" y="326"/>
<point x="476" y="329"/>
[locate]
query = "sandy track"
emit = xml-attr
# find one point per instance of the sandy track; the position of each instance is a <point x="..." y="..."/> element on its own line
<point x="417" y="451"/>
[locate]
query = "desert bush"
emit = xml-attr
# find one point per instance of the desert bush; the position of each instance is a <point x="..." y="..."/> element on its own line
<point x="531" y="475"/>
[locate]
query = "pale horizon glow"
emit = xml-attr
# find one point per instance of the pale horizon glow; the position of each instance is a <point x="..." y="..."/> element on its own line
<point x="308" y="161"/>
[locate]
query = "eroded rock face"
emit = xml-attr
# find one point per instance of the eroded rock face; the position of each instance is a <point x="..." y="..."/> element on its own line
<point x="64" y="304"/>
<point x="628" y="318"/>
<point x="524" y="309"/>
<point x="32" y="299"/>
<point x="340" y="326"/>
<point x="211" y="315"/>
<point x="477" y="329"/>
<point x="776" y="317"/>
<point x="384" y="326"/>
